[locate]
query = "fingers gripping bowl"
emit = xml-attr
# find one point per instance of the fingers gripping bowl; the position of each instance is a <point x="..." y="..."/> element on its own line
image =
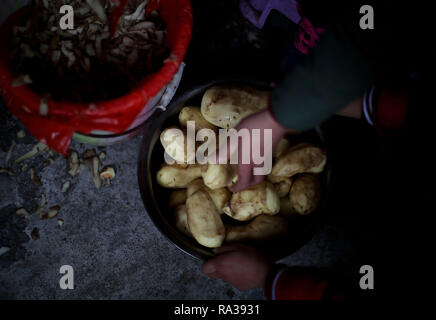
<point x="287" y="221"/>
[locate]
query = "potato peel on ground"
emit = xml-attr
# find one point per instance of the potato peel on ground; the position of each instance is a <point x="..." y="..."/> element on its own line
<point x="42" y="204"/>
<point x="53" y="212"/>
<point x="94" y="171"/>
<point x="47" y="162"/>
<point x="65" y="186"/>
<point x="73" y="163"/>
<point x="21" y="134"/>
<point x="22" y="212"/>
<point x="107" y="174"/>
<point x="9" y="153"/>
<point x="9" y="171"/>
<point x="39" y="147"/>
<point x="89" y="153"/>
<point x="93" y="164"/>
<point x="102" y="156"/>
<point x="34" y="177"/>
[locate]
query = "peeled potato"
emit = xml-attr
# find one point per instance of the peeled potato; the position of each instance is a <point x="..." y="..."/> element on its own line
<point x="177" y="197"/>
<point x="299" y="159"/>
<point x="261" y="228"/>
<point x="194" y="114"/>
<point x="282" y="184"/>
<point x="181" y="220"/>
<point x="176" y="176"/>
<point x="174" y="141"/>
<point x="194" y="186"/>
<point x="305" y="194"/>
<point x="217" y="176"/>
<point x="226" y="106"/>
<point x="259" y="199"/>
<point x="281" y="147"/>
<point x="220" y="196"/>
<point x="204" y="220"/>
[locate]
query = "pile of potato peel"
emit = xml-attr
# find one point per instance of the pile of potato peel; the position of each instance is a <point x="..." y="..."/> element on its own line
<point x="262" y="211"/>
<point x="87" y="63"/>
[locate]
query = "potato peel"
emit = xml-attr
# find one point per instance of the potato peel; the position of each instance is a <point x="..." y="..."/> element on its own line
<point x="52" y="213"/>
<point x="9" y="171"/>
<point x="47" y="162"/>
<point x="61" y="222"/>
<point x="42" y="203"/>
<point x="39" y="147"/>
<point x="9" y="153"/>
<point x="65" y="186"/>
<point x="22" y="212"/>
<point x="34" y="177"/>
<point x="21" y="134"/>
<point x="93" y="165"/>
<point x="107" y="174"/>
<point x="73" y="163"/>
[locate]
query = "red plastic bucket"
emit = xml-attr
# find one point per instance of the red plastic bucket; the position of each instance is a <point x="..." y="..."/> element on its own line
<point x="64" y="118"/>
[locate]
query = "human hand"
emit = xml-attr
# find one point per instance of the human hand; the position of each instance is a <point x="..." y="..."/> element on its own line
<point x="241" y="266"/>
<point x="262" y="120"/>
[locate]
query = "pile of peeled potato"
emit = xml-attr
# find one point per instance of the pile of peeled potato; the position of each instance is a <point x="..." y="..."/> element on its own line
<point x="201" y="194"/>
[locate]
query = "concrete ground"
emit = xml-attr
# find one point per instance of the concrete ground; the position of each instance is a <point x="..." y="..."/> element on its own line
<point x="107" y="236"/>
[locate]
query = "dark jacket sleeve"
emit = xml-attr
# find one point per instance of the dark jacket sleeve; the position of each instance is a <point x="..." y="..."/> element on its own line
<point x="323" y="83"/>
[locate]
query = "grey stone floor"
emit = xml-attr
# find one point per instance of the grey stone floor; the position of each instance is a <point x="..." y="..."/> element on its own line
<point x="108" y="238"/>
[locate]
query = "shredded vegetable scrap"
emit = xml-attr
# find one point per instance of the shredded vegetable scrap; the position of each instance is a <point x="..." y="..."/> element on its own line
<point x="86" y="63"/>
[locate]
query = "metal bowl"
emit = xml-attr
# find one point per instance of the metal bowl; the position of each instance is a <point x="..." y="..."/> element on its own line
<point x="155" y="197"/>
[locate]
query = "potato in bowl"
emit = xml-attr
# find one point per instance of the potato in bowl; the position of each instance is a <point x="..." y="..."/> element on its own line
<point x="278" y="227"/>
